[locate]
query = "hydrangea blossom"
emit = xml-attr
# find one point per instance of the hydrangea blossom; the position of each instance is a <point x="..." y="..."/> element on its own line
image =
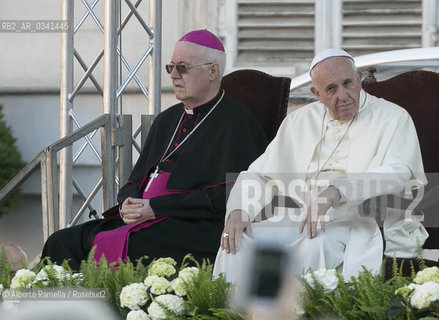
<point x="327" y="278"/>
<point x="23" y="279"/>
<point x="188" y="274"/>
<point x="163" y="267"/>
<point x="406" y="291"/>
<point x="179" y="287"/>
<point x="427" y="275"/>
<point x="185" y="278"/>
<point x="172" y="302"/>
<point x="299" y="310"/>
<point x="137" y="315"/>
<point x="78" y="279"/>
<point x="60" y="273"/>
<point x="133" y="296"/>
<point x="424" y="294"/>
<point x="158" y="285"/>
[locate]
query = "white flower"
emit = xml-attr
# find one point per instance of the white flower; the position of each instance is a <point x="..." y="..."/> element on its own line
<point x="179" y="287"/>
<point x="427" y="275"/>
<point x="406" y="291"/>
<point x="172" y="302"/>
<point x="1" y="286"/>
<point x="23" y="279"/>
<point x="327" y="278"/>
<point x="133" y="296"/>
<point x="163" y="267"/>
<point x="188" y="274"/>
<point x="159" y="285"/>
<point x="59" y="272"/>
<point x="78" y="278"/>
<point x="137" y="315"/>
<point x="185" y="278"/>
<point x="156" y="312"/>
<point x="424" y="294"/>
<point x="299" y="310"/>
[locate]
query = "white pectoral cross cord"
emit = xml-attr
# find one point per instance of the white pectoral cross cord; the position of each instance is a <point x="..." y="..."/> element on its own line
<point x="152" y="176"/>
<point x="155" y="174"/>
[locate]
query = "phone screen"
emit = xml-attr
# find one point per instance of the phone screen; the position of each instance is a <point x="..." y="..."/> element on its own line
<point x="268" y="273"/>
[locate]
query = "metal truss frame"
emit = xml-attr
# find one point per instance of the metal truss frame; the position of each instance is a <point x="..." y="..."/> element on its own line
<point x="115" y="154"/>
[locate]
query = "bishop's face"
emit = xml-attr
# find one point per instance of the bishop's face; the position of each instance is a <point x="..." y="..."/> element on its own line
<point x="337" y="84"/>
<point x="192" y="86"/>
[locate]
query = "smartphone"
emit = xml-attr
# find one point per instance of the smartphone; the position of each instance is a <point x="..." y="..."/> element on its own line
<point x="262" y="276"/>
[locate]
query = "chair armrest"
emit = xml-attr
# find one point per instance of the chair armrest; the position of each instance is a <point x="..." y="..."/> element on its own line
<point x="112" y="212"/>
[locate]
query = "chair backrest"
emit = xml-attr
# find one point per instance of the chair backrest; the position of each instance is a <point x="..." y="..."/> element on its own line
<point x="418" y="93"/>
<point x="265" y="95"/>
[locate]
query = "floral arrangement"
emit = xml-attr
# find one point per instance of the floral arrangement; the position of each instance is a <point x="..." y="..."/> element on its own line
<point x="161" y="293"/>
<point x="370" y="296"/>
<point x="159" y="290"/>
<point x="163" y="290"/>
<point x="420" y="298"/>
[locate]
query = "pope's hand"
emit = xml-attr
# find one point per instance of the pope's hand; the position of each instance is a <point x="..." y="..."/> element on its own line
<point x="328" y="198"/>
<point x="237" y="223"/>
<point x="136" y="210"/>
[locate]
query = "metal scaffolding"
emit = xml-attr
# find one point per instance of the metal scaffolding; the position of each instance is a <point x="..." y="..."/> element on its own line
<point x="115" y="149"/>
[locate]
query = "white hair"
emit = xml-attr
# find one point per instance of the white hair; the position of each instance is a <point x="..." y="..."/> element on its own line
<point x="217" y="56"/>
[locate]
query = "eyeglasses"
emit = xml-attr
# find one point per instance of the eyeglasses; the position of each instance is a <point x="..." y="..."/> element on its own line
<point x="183" y="67"/>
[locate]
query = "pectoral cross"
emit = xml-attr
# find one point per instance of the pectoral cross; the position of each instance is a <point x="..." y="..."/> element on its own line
<point x="152" y="176"/>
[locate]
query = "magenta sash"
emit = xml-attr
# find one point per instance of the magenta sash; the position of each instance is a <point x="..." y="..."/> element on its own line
<point x="113" y="244"/>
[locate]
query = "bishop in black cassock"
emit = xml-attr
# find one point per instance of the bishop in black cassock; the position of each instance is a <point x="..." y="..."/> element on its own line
<point x="225" y="138"/>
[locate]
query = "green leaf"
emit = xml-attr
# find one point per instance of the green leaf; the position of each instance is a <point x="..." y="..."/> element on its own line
<point x="396" y="308"/>
<point x="10" y="162"/>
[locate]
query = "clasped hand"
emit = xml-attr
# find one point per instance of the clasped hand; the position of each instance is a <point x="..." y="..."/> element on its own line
<point x="136" y="210"/>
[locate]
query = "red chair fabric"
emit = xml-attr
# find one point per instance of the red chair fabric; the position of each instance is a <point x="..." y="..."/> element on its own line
<point x="265" y="95"/>
<point x="418" y="93"/>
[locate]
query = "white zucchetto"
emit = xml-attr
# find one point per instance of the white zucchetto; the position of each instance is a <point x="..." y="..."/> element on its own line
<point x="328" y="53"/>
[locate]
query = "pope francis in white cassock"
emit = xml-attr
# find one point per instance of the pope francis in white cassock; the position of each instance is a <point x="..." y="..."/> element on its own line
<point x="329" y="156"/>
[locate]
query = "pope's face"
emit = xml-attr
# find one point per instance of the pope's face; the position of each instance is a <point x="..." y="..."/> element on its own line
<point x="337" y="85"/>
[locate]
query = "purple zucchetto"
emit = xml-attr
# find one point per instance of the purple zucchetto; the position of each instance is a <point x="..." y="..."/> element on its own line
<point x="203" y="38"/>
